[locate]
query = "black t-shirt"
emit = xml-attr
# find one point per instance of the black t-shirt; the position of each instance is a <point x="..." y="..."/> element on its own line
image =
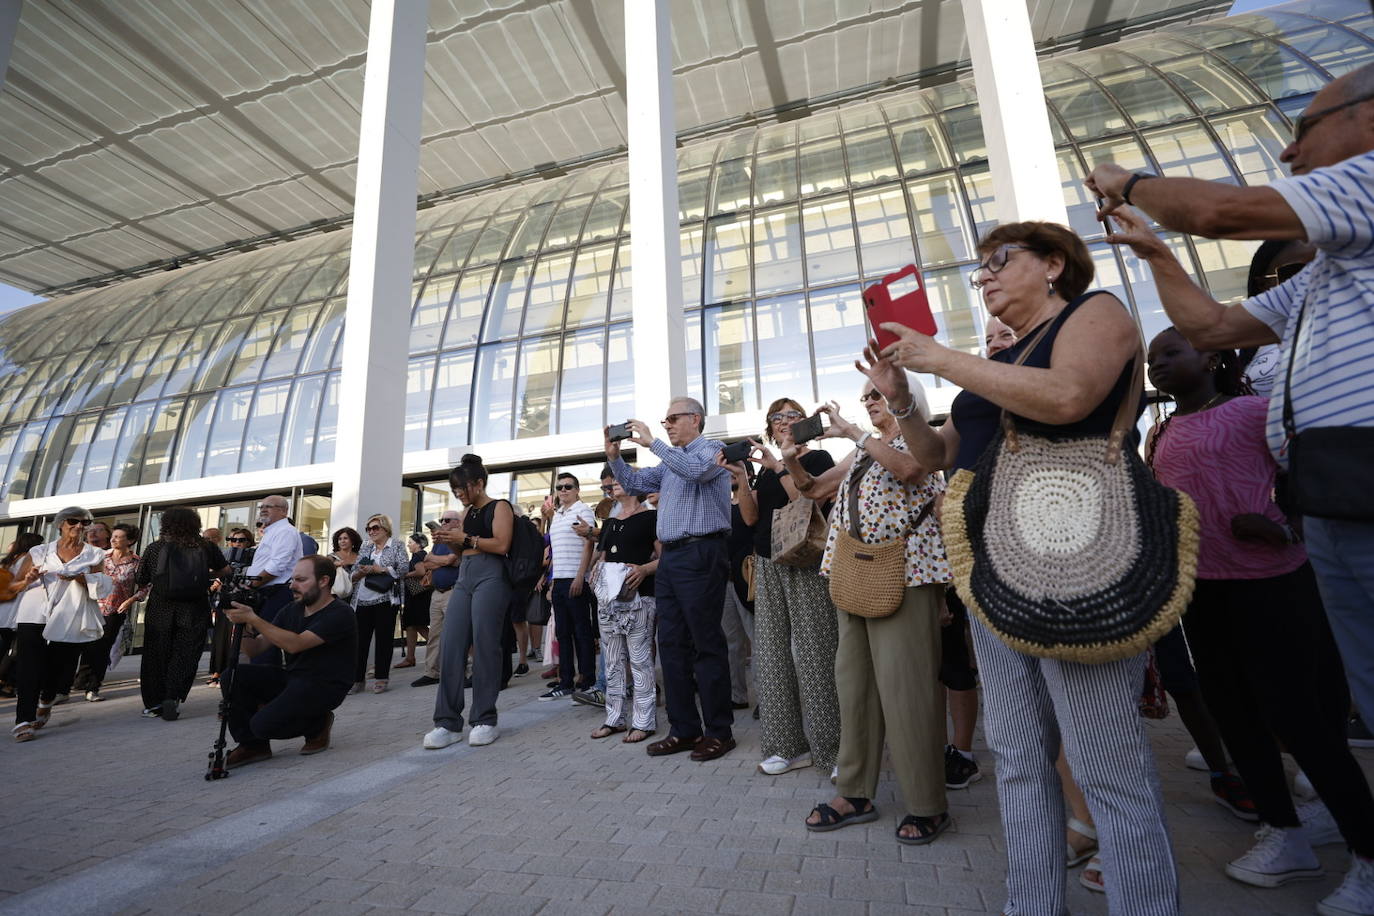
<point x="332" y="663"/>
<point x="630" y="540"/>
<point x="771" y="495"/>
<point x="738" y="545"/>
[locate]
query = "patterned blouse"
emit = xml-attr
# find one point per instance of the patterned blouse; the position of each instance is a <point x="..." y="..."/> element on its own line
<point x="886" y="508"/>
<point x="394" y="558"/>
<point x="124" y="585"/>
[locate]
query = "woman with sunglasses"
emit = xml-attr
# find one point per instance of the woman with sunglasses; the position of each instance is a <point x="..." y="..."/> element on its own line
<point x="240" y="556"/>
<point x="1034" y="276"/>
<point x="794" y="620"/>
<point x="64" y="581"/>
<point x="375" y="604"/>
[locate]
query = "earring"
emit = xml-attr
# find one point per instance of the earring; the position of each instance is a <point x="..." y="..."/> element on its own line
<point x="1049" y="283"/>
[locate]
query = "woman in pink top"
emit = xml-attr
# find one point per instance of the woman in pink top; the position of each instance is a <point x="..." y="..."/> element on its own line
<point x="1265" y="656"/>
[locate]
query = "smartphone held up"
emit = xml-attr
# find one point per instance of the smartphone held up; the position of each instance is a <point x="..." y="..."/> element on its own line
<point x="899" y="297"/>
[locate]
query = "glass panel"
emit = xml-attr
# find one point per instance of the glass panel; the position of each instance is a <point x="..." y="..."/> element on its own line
<point x="102" y="371"/>
<point x="215" y="365"/>
<point x="329" y="421"/>
<point x="531" y="232"/>
<point x="884" y="234"/>
<point x="254" y="349"/>
<point x="431" y="308"/>
<point x="727" y="253"/>
<point x="941" y="233"/>
<point x="302" y="417"/>
<point x="860" y="116"/>
<point x="151" y="384"/>
<point x="1211" y="86"/>
<point x="226" y="436"/>
<point x="905" y="106"/>
<point x="822" y="167"/>
<point x="831" y="254"/>
<point x="548" y="293"/>
<point x="456" y="249"/>
<point x="1147" y="98"/>
<point x="157" y="457"/>
<point x="102" y="450"/>
<point x="1255" y="140"/>
<point x="1329" y="48"/>
<point x="1188" y="151"/>
<point x="320" y="347"/>
<point x="465" y="316"/>
<point x="775" y="176"/>
<point x="919" y="146"/>
<point x="838" y="333"/>
<point x="693" y="329"/>
<point x="730" y="360"/>
<point x="127" y="458"/>
<point x="620" y="373"/>
<point x="493" y="239"/>
<point x="1086" y="110"/>
<point x="536" y="387"/>
<point x="690" y="246"/>
<point x="579" y="393"/>
<point x="1275" y="69"/>
<point x="818" y="127"/>
<point x="1149" y="308"/>
<point x="427" y="247"/>
<point x="1077" y="198"/>
<point x="965" y="129"/>
<point x="870" y="157"/>
<point x="956" y="309"/>
<point x="419" y="384"/>
<point x="978" y="185"/>
<point x="731" y="190"/>
<point x="1225" y="266"/>
<point x="452" y="391"/>
<point x="288" y="291"/>
<point x="692" y="188"/>
<point x="72" y="455"/>
<point x="775" y="137"/>
<point x="135" y="369"/>
<point x="507" y="301"/>
<point x="621" y="289"/>
<point x="1107" y="272"/>
<point x="262" y="442"/>
<point x="491" y="412"/>
<point x="329" y="276"/>
<point x="784" y="358"/>
<point x="21" y="466"/>
<point x="591" y="284"/>
<point x="190" y="454"/>
<point x="1125" y="152"/>
<point x="606" y="217"/>
<point x="566" y="226"/>
<point x="777" y="251"/>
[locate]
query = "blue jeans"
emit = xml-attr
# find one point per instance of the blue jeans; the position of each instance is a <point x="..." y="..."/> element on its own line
<point x="1342" y="553"/>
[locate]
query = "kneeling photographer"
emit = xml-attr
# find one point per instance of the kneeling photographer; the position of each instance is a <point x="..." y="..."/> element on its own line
<point x="319" y="636"/>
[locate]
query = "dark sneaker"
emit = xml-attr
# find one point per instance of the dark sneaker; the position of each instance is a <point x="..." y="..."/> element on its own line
<point x="1232" y="795"/>
<point x="171" y="710"/>
<point x="960" y="772"/>
<point x="1357" y="734"/>
<point x="557" y="693"/>
<point x="424" y="680"/>
<point x="589" y="697"/>
<point x="245" y="754"/>
<point x="521" y="670"/>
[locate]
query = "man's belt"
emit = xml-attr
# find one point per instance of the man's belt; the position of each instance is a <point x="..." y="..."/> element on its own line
<point x="692" y="538"/>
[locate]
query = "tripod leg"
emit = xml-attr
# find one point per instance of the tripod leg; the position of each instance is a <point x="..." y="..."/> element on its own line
<point x="217" y="769"/>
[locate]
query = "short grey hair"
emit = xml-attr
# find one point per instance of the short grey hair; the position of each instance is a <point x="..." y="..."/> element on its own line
<point x="70" y="512"/>
<point x="693" y="406"/>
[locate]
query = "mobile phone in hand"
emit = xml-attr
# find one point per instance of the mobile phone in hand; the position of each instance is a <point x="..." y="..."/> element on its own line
<point x="1107" y="225"/>
<point x="807" y="429"/>
<point x="619" y="432"/>
<point x="737" y="451"/>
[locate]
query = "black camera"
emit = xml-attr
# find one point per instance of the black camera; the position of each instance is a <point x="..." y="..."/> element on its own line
<point x="807" y="429"/>
<point x="236" y="591"/>
<point x="737" y="451"/>
<point x="618" y="432"/>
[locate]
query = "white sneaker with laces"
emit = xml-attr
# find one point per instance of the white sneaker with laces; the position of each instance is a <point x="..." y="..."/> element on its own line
<point x="1355" y="896"/>
<point x="1320" y="825"/>
<point x="1280" y="856"/>
<point x="440" y="737"/>
<point x="777" y="765"/>
<point x="480" y="735"/>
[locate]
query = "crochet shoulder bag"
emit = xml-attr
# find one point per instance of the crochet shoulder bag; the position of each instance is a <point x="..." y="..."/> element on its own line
<point x="1068" y="548"/>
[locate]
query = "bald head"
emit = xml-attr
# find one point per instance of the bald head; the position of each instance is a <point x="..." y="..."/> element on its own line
<point x="1337" y="124"/>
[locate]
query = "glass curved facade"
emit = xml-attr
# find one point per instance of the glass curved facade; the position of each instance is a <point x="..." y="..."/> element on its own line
<point x="520" y="318"/>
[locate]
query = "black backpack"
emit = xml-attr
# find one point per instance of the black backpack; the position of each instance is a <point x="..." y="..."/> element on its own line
<point x="182" y="573"/>
<point x="525" y="562"/>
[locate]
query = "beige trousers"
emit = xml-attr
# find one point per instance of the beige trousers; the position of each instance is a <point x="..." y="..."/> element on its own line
<point x="886" y="674"/>
<point x="438" y="603"/>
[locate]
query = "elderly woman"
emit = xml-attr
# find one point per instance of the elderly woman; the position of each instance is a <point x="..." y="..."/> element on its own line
<point x="121" y="565"/>
<point x="375" y="603"/>
<point x="1034" y="276"/>
<point x="794" y="619"/>
<point x="62" y="586"/>
<point x="886" y="668"/>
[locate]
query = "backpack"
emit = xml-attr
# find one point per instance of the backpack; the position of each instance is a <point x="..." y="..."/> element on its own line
<point x="525" y="562"/>
<point x="181" y="573"/>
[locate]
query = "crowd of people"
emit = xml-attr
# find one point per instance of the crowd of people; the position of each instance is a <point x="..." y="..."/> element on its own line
<point x="692" y="564"/>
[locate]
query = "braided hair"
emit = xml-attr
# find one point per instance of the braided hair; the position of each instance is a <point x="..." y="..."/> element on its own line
<point x="1229" y="378"/>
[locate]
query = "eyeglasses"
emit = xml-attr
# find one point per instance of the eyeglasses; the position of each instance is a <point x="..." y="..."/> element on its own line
<point x="674" y="417"/>
<point x="371" y="528"/>
<point x="272" y="506"/>
<point x="784" y="415"/>
<point x="79" y="522"/>
<point x="237" y="540"/>
<point x="1283" y="274"/>
<point x="564" y="486"/>
<point x="994" y="264"/>
<point x="606" y="488"/>
<point x="448" y="520"/>
<point x="1305" y="122"/>
<point x="873" y="395"/>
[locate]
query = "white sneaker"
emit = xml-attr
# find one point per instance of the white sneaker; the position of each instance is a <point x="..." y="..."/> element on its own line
<point x="479" y="735"/>
<point x="777" y="765"/>
<point x="1355" y="896"/>
<point x="1280" y="856"/>
<point x="441" y="737"/>
<point x="1302" y="787"/>
<point x="93" y="697"/>
<point x="835" y="774"/>
<point x="1194" y="760"/>
<point x="1320" y="825"/>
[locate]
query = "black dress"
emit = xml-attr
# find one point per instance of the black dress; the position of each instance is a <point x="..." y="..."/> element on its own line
<point x="415" y="613"/>
<point x="173" y="631"/>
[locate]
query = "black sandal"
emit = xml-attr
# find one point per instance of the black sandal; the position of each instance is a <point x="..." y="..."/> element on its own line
<point x="834" y="820"/>
<point x="927" y="828"/>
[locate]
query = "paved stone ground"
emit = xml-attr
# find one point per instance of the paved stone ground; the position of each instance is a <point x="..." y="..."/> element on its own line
<point x="109" y="813"/>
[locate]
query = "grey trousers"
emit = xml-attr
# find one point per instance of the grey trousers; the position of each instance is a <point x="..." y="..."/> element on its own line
<point x="738" y="624"/>
<point x="438" y="605"/>
<point x="476" y="617"/>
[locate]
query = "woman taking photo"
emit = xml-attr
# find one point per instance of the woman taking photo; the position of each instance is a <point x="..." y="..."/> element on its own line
<point x="121" y="565"/>
<point x="64" y="582"/>
<point x="240" y="556"/>
<point x="795" y="633"/>
<point x="177" y="567"/>
<point x="376" y="600"/>
<point x="476" y="611"/>
<point x="886" y="668"/>
<point x="1034" y="277"/>
<point x="415" y="612"/>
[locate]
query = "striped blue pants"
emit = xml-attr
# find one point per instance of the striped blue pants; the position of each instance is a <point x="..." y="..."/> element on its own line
<point x="1030" y="706"/>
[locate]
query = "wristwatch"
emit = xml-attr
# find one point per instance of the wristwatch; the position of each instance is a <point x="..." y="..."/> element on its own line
<point x="863" y="440"/>
<point x="783" y="473"/>
<point x="1130" y="183"/>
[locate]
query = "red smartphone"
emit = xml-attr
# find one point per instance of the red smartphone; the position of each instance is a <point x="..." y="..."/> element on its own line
<point x="899" y="297"/>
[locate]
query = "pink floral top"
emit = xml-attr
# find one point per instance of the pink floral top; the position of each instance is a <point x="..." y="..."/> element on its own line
<point x="886" y="509"/>
<point x="122" y="573"/>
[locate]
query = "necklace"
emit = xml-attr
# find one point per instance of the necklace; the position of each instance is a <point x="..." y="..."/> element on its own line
<point x="1216" y="397"/>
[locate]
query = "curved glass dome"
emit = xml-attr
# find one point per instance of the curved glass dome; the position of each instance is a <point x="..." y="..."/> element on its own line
<point x="520" y="321"/>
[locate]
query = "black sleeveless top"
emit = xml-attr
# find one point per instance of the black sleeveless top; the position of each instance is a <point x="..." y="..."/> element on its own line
<point x="978" y="419"/>
<point x="478" y="524"/>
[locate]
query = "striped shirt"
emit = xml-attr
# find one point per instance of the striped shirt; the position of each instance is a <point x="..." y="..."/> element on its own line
<point x="566" y="544"/>
<point x="1333" y="384"/>
<point x="693" y="491"/>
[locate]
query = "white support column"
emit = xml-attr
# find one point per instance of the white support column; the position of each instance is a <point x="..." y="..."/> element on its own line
<point x="1025" y="176"/>
<point x="9" y="24"/>
<point x="660" y="347"/>
<point x="372" y="384"/>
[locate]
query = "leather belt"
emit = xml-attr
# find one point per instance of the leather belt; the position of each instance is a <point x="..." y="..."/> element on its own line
<point x="692" y="538"/>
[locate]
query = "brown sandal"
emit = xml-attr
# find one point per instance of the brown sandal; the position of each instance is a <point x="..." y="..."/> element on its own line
<point x="606" y="731"/>
<point x="643" y="734"/>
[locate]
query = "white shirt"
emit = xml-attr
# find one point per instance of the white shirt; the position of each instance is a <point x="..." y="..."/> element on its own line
<point x="566" y="543"/>
<point x="50" y="592"/>
<point x="277" y="552"/>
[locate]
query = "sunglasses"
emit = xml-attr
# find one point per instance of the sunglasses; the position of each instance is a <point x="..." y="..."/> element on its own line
<point x="1305" y="122"/>
<point x="79" y="522"/>
<point x="237" y="540"/>
<point x="371" y="528"/>
<point x="606" y="488"/>
<point x="784" y="415"/>
<point x="873" y="395"/>
<point x="674" y="417"/>
<point x="994" y="264"/>
<point x="565" y="486"/>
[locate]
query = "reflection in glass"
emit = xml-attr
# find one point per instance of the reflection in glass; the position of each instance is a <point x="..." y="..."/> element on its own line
<point x="691" y="194"/>
<point x="1209" y="84"/>
<point x="591" y="283"/>
<point x="821" y="167"/>
<point x="919" y="146"/>
<point x="964" y="127"/>
<point x="68" y="472"/>
<point x="157" y="457"/>
<point x="690" y="245"/>
<point x="884" y="234"/>
<point x="536" y="386"/>
<point x="1188" y="150"/>
<point x="419" y="381"/>
<point x="102" y="450"/>
<point x="1147" y="98"/>
<point x="262" y="438"/>
<point x="1255" y="140"/>
<point x="777" y="251"/>
<point x="828" y="228"/>
<point x="784" y="357"/>
<point x="226" y="433"/>
<point x="190" y="449"/>
<point x="431" y="308"/>
<point x="548" y="293"/>
<point x="941" y="233"/>
<point x="775" y="177"/>
<point x="329" y="420"/>
<point x="495" y="380"/>
<point x="1086" y="110"/>
<point x="870" y="157"/>
<point x="727" y="256"/>
<point x="465" y="314"/>
<point x="126" y="461"/>
<point x="838" y="334"/>
<point x="621" y="283"/>
<point x="1277" y="71"/>
<point x="620" y="372"/>
<point x="607" y="216"/>
<point x="579" y="390"/>
<point x="291" y="340"/>
<point x="730" y="360"/>
<point x="452" y="392"/>
<point x="731" y="191"/>
<point x="1225" y="265"/>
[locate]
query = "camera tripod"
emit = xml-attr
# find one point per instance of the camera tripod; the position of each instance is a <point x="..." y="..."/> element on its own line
<point x="217" y="769"/>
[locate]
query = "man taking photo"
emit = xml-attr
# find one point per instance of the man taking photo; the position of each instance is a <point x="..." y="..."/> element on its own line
<point x="319" y="636"/>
